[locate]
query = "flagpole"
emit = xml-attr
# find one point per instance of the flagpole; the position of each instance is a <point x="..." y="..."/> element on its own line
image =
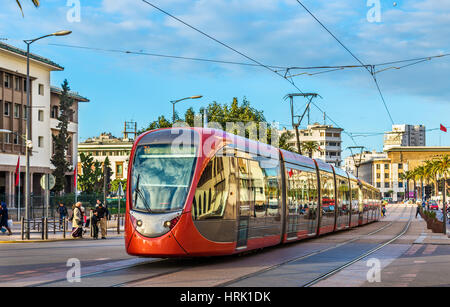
<point x="18" y="195"/>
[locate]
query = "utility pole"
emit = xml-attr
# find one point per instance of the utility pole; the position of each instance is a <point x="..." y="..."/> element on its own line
<point x="357" y="165"/>
<point x="310" y="97"/>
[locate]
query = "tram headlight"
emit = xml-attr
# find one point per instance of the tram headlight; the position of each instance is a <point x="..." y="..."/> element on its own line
<point x="139" y="223"/>
<point x="171" y="224"/>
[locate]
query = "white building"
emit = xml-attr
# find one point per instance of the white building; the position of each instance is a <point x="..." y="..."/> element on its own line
<point x="327" y="137"/>
<point x="351" y="162"/>
<point x="117" y="150"/>
<point x="404" y="135"/>
<point x="44" y="103"/>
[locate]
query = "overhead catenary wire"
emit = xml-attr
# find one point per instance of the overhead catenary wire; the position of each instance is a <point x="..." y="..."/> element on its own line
<point x="369" y="69"/>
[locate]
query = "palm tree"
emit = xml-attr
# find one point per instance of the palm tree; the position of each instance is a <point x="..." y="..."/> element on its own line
<point x="419" y="174"/>
<point x="443" y="167"/>
<point x="406" y="176"/>
<point x="432" y="172"/>
<point x="284" y="141"/>
<point x="310" y="147"/>
<point x="35" y="2"/>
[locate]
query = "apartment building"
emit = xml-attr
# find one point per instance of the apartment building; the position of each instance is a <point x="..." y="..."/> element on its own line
<point x="327" y="137"/>
<point x="404" y="135"/>
<point x="44" y="101"/>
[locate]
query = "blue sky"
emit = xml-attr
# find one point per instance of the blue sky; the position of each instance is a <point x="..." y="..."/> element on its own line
<point x="276" y="32"/>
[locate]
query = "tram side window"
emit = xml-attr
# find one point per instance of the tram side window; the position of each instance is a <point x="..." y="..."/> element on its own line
<point x="272" y="191"/>
<point x="327" y="192"/>
<point x="355" y="198"/>
<point x="302" y="193"/>
<point x="210" y="200"/>
<point x="343" y="195"/>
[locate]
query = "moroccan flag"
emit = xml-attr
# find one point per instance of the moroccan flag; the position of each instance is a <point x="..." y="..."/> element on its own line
<point x="291" y="173"/>
<point x="75" y="177"/>
<point x="443" y="128"/>
<point x="18" y="172"/>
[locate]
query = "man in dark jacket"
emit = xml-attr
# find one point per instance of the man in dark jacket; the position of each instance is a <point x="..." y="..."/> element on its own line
<point x="4" y="217"/>
<point x="102" y="214"/>
<point x="62" y="211"/>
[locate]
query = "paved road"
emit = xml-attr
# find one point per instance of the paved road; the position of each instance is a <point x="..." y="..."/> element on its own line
<point x="105" y="263"/>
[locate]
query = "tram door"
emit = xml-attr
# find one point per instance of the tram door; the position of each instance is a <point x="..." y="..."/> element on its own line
<point x="243" y="214"/>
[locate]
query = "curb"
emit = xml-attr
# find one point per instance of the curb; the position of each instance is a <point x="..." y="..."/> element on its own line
<point x="36" y="241"/>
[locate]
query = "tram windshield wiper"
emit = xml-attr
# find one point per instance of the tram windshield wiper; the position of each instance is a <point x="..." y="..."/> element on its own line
<point x="138" y="192"/>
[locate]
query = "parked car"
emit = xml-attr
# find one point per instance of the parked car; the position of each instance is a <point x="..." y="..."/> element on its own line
<point x="434" y="206"/>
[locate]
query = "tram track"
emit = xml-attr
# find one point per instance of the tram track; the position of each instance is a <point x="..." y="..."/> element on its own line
<point x="170" y="266"/>
<point x="327" y="249"/>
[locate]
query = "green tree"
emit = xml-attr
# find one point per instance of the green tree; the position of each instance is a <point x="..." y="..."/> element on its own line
<point x="62" y="139"/>
<point x="162" y="122"/>
<point x="35" y="3"/>
<point x="283" y="142"/>
<point x="115" y="185"/>
<point x="310" y="147"/>
<point x="443" y="168"/>
<point x="90" y="179"/>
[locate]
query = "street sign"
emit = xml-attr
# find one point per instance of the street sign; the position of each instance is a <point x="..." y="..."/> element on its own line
<point x="48" y="184"/>
<point x="120" y="192"/>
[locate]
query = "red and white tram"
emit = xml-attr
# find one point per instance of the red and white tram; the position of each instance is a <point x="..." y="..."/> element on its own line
<point x="204" y="192"/>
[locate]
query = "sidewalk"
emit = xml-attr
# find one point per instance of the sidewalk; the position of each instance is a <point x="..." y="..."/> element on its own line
<point x="36" y="237"/>
<point x="426" y="236"/>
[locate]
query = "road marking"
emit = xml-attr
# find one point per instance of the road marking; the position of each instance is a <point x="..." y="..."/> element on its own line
<point x="429" y="250"/>
<point x="413" y="250"/>
<point x="421" y="238"/>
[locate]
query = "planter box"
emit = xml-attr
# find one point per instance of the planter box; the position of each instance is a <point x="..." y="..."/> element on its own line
<point x="429" y="223"/>
<point x="437" y="226"/>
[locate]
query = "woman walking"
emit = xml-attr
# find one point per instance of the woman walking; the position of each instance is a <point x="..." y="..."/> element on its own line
<point x="4" y="218"/>
<point x="77" y="221"/>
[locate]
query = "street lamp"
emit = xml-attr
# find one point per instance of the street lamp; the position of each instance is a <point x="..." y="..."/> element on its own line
<point x="28" y="126"/>
<point x="173" y="102"/>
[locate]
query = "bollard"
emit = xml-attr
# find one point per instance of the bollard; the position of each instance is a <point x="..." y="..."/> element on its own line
<point x="91" y="232"/>
<point x="54" y="226"/>
<point x="21" y="227"/>
<point x="64" y="228"/>
<point x="45" y="228"/>
<point x="42" y="232"/>
<point x="118" y="223"/>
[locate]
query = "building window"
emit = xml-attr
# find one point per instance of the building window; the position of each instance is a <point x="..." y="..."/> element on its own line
<point x="15" y="139"/>
<point x="41" y="116"/>
<point x="41" y="141"/>
<point x="7" y="110"/>
<point x="119" y="170"/>
<point x="386" y="166"/>
<point x="17" y="84"/>
<point x="54" y="112"/>
<point x="24" y="85"/>
<point x="386" y="184"/>
<point x="336" y="135"/>
<point x="378" y="166"/>
<point x="378" y="176"/>
<point x="386" y="176"/>
<point x="16" y="110"/>
<point x="378" y="184"/>
<point x="7" y="80"/>
<point x="400" y="184"/>
<point x="7" y="138"/>
<point x="400" y="166"/>
<point x="41" y="89"/>
<point x="25" y="112"/>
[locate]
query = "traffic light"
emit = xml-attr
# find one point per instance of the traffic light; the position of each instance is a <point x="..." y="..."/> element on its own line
<point x="428" y="191"/>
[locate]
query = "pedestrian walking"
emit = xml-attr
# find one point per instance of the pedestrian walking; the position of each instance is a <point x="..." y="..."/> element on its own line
<point x="62" y="211"/>
<point x="102" y="214"/>
<point x="77" y="221"/>
<point x="383" y="211"/>
<point x="417" y="210"/>
<point x="4" y="218"/>
<point x="95" y="221"/>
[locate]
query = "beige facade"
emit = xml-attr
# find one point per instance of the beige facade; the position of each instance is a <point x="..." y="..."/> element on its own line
<point x="14" y="113"/>
<point x="384" y="173"/>
<point x="117" y="150"/>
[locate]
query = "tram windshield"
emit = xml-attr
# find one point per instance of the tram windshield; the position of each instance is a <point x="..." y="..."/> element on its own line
<point x="161" y="177"/>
